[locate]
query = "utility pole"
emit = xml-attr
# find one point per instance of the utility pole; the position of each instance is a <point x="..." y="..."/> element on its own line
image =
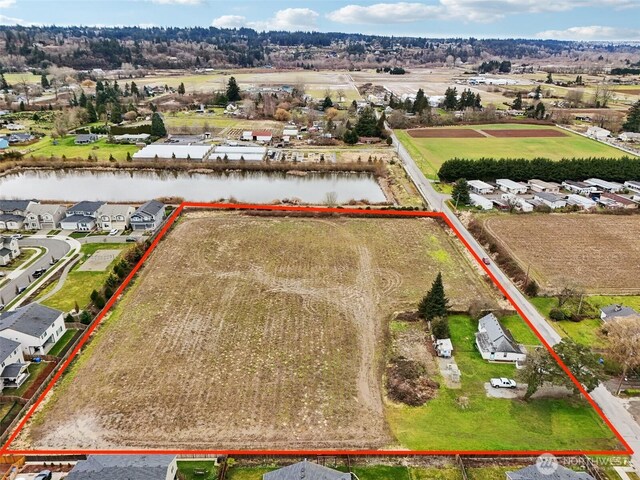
<point x="526" y="278"/>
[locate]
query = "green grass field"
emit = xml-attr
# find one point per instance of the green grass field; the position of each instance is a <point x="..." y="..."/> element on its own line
<point x="192" y="470"/>
<point x="492" y="423"/>
<point x="79" y="285"/>
<point x="66" y="146"/>
<point x="431" y="153"/>
<point x="64" y="340"/>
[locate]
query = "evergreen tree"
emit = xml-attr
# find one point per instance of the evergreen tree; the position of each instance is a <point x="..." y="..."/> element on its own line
<point x="517" y="103"/>
<point x="233" y="90"/>
<point x="3" y="83"/>
<point x="450" y="99"/>
<point x="367" y="125"/>
<point x="134" y="89"/>
<point x="83" y="100"/>
<point x="421" y="102"/>
<point x="435" y="303"/>
<point x="22" y="106"/>
<point x="44" y="81"/>
<point x="91" y="113"/>
<point x="157" y="126"/>
<point x="538" y="93"/>
<point x="116" y="113"/>
<point x="327" y="103"/>
<point x="181" y="89"/>
<point x="539" y="112"/>
<point x="350" y="137"/>
<point x="633" y="119"/>
<point x="549" y="78"/>
<point x="460" y="193"/>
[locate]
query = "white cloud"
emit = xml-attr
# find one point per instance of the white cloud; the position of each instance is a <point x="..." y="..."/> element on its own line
<point x="483" y="11"/>
<point x="177" y="2"/>
<point x="591" y="32"/>
<point x="7" y="3"/>
<point x="287" y="19"/>
<point x="4" y="20"/>
<point x="229" y="21"/>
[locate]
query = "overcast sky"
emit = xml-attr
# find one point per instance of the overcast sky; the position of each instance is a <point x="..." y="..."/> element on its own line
<point x="559" y="19"/>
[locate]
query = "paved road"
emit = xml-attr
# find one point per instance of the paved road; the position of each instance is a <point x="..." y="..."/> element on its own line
<point x="611" y="405"/>
<point x="54" y="248"/>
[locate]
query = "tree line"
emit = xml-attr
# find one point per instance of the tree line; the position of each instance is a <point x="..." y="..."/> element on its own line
<point x="521" y="169"/>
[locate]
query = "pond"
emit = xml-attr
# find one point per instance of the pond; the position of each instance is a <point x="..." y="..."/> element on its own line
<point x="139" y="186"/>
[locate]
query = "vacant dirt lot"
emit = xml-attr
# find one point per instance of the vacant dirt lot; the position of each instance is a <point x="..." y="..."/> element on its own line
<point x="250" y="332"/>
<point x="445" y="133"/>
<point x="597" y="253"/>
<point x="526" y="133"/>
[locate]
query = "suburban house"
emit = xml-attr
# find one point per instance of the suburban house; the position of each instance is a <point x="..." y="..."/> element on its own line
<point x="148" y="217"/>
<point x="36" y="327"/>
<point x="20" y="138"/>
<point x="629" y="137"/>
<point x="540" y="186"/>
<point x="495" y="342"/>
<point x="598" y="133"/>
<point x="290" y="131"/>
<point x="306" y="470"/>
<point x="634" y="186"/>
<point x="580" y="201"/>
<point x="581" y="188"/>
<point x="480" y="187"/>
<point x="257" y="135"/>
<point x="611" y="187"/>
<point x="81" y="217"/>
<point x="534" y="472"/>
<point x="114" y="216"/>
<point x="509" y="186"/>
<point x="480" y="201"/>
<point x="9" y="250"/>
<point x="86" y="138"/>
<point x="15" y="127"/>
<point x="125" y="467"/>
<point x="444" y="347"/>
<point x="622" y="202"/>
<point x="13" y="368"/>
<point x="551" y="200"/>
<point x="41" y="216"/>
<point x="13" y="212"/>
<point x="611" y="312"/>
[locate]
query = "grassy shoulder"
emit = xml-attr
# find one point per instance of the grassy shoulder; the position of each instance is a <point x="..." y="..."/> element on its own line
<point x="540" y="424"/>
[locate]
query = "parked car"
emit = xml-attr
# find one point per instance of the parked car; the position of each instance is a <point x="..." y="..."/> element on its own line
<point x="486" y="261"/>
<point x="503" y="383"/>
<point x="21" y="289"/>
<point x="44" y="475"/>
<point x="131" y="239"/>
<point x="1" y="306"/>
<point x="114" y="231"/>
<point x="17" y="236"/>
<point x="2" y="274"/>
<point x="39" y="272"/>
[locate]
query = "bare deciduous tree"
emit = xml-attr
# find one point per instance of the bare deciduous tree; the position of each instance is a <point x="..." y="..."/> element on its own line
<point x="624" y="344"/>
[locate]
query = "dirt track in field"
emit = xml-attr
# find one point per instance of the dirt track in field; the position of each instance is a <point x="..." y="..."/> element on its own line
<point x="526" y="133"/>
<point x="445" y="133"/>
<point x="251" y="333"/>
<point x="599" y="254"/>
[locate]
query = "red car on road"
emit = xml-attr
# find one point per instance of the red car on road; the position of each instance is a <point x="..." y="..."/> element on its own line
<point x="486" y="260"/>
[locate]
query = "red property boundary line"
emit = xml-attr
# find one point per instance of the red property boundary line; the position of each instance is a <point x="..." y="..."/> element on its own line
<point x="351" y="211"/>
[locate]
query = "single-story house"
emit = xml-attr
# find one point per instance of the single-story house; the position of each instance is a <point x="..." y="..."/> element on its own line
<point x="496" y="343"/>
<point x="15" y="127"/>
<point x="621" y="201"/>
<point x="631" y="185"/>
<point x="581" y="188"/>
<point x="131" y="138"/>
<point x="290" y="131"/>
<point x="81" y="217"/>
<point x="36" y="327"/>
<point x="611" y="312"/>
<point x="560" y="472"/>
<point x="598" y="133"/>
<point x="444" y="347"/>
<point x="114" y="216"/>
<point x="305" y="470"/>
<point x="510" y="186"/>
<point x="13" y="368"/>
<point x="20" y="138"/>
<point x="480" y="187"/>
<point x="580" y="201"/>
<point x="541" y="186"/>
<point x="125" y="467"/>
<point x="257" y="135"/>
<point x="480" y="201"/>
<point x="42" y="216"/>
<point x="195" y="153"/>
<point x="239" y="152"/>
<point x="611" y="187"/>
<point x="86" y="138"/>
<point x="148" y="217"/>
<point x="629" y="137"/>
<point x="519" y="202"/>
<point x="9" y="250"/>
<point x="552" y="200"/>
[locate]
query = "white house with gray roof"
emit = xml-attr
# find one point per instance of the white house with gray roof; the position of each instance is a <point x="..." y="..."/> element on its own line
<point x="114" y="216"/>
<point x="37" y="328"/>
<point x="306" y="470"/>
<point x="559" y="472"/>
<point x="9" y="250"/>
<point x="551" y="200"/>
<point x="43" y="216"/>
<point x="13" y="368"/>
<point x="13" y="212"/>
<point x="82" y="217"/>
<point x="125" y="467"/>
<point x="149" y="216"/>
<point x="495" y="342"/>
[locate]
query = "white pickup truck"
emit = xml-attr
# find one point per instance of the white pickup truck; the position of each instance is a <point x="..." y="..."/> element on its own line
<point x="503" y="383"/>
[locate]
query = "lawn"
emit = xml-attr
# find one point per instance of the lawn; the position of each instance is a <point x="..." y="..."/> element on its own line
<point x="200" y="121"/>
<point x="369" y="472"/>
<point x="187" y="469"/>
<point x="79" y="285"/>
<point x="248" y="473"/>
<point x="521" y="332"/>
<point x="35" y="369"/>
<point x="64" y="340"/>
<point x="431" y="153"/>
<point x="66" y="146"/>
<point x="490" y="423"/>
